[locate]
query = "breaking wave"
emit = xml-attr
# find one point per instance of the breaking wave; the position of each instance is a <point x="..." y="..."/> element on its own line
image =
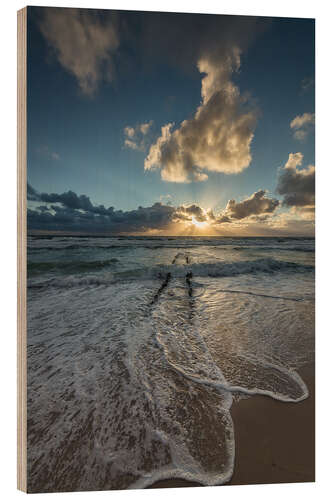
<point x="208" y="269"/>
<point x="69" y="267"/>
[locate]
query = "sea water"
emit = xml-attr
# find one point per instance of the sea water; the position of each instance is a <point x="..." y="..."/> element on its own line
<point x="138" y="346"/>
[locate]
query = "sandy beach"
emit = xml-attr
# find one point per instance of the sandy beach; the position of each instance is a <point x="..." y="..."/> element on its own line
<point x="275" y="441"/>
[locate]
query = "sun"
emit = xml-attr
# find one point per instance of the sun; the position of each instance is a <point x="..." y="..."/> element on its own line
<point x="198" y="224"/>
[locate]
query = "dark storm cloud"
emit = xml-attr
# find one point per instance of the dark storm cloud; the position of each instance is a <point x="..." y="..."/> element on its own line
<point x="256" y="205"/>
<point x="69" y="200"/>
<point x="297" y="185"/>
<point x="70" y="212"/>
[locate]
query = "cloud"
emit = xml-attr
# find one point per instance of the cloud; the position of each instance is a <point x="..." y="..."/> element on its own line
<point x="83" y="44"/>
<point x="68" y="199"/>
<point x="60" y="218"/>
<point x="216" y="139"/>
<point x="71" y="212"/>
<point x="144" y="127"/>
<point x="302" y="120"/>
<point x="297" y="185"/>
<point x="132" y="145"/>
<point x="256" y="215"/>
<point x="302" y="125"/>
<point x="256" y="205"/>
<point x="135" y="137"/>
<point x="129" y="131"/>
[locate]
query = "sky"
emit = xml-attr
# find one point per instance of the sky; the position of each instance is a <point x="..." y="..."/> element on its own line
<point x="159" y="123"/>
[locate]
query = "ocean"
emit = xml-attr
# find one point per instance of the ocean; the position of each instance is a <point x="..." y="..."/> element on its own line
<point x="138" y="347"/>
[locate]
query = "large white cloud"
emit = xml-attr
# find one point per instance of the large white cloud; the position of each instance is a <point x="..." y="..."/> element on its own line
<point x="217" y="138"/>
<point x="83" y="44"/>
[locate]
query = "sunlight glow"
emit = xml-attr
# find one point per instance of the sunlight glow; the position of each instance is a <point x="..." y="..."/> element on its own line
<point x="198" y="224"/>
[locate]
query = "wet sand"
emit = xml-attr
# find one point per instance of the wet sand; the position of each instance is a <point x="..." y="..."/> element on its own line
<point x="274" y="441"/>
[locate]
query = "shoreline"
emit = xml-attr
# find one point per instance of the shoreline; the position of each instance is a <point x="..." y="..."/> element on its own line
<point x="274" y="440"/>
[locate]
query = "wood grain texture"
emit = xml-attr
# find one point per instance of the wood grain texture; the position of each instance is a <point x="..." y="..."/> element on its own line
<point x="22" y="250"/>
